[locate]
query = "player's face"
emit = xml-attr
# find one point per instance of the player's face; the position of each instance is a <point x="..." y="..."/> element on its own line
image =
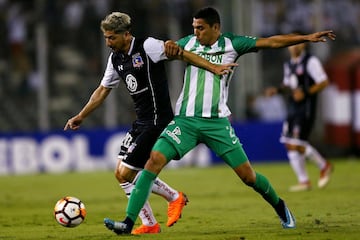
<point x="205" y="34"/>
<point x="116" y="41"/>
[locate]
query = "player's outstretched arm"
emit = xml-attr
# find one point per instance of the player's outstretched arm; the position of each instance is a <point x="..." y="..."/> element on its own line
<point x="97" y="97"/>
<point x="280" y="41"/>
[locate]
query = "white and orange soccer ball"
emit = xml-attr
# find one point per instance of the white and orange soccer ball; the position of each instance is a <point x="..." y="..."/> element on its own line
<point x="69" y="211"/>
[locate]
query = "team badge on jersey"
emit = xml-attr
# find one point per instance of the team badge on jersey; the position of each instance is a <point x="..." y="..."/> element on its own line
<point x="300" y="70"/>
<point x="131" y="83"/>
<point x="137" y="60"/>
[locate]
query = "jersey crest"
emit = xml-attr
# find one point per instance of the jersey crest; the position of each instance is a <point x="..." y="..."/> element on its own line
<point x="137" y="60"/>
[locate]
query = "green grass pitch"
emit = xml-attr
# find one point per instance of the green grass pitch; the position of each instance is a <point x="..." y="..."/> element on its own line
<point x="220" y="207"/>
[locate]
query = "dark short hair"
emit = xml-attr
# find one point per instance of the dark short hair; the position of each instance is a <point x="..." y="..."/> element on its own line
<point x="209" y="14"/>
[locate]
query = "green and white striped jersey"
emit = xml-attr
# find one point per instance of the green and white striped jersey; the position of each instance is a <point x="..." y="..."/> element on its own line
<point x="205" y="94"/>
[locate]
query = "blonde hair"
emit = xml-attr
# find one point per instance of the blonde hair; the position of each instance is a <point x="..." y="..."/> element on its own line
<point x="117" y="22"/>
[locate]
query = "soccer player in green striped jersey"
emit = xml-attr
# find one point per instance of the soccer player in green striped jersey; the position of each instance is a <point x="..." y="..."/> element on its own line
<point x="201" y="114"/>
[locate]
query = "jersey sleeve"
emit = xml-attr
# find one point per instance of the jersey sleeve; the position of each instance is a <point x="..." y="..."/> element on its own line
<point x="316" y="70"/>
<point x="242" y="44"/>
<point x="111" y="78"/>
<point x="155" y="49"/>
<point x="183" y="41"/>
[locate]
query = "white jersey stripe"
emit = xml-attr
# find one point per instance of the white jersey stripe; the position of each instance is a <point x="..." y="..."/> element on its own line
<point x="190" y="110"/>
<point x="208" y="94"/>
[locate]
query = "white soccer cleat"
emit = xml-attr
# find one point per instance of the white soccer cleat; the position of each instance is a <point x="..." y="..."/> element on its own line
<point x="301" y="187"/>
<point x="325" y="175"/>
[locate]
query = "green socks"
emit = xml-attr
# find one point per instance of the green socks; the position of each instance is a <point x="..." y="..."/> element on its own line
<point x="143" y="188"/>
<point x="140" y="194"/>
<point x="263" y="186"/>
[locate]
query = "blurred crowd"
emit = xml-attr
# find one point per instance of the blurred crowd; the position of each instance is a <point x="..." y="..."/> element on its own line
<point x="282" y="16"/>
<point x="76" y="54"/>
<point x="74" y="24"/>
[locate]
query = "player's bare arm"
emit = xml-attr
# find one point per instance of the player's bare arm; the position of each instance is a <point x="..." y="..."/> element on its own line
<point x="299" y="94"/>
<point x="280" y="41"/>
<point x="316" y="88"/>
<point x="96" y="99"/>
<point x="202" y="63"/>
<point x="173" y="51"/>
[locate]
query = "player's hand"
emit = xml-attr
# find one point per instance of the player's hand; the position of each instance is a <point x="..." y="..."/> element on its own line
<point x="224" y="68"/>
<point x="321" y="36"/>
<point x="172" y="49"/>
<point x="73" y="123"/>
<point x="298" y="94"/>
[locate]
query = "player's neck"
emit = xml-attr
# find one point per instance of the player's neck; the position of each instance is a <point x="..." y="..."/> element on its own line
<point x="128" y="46"/>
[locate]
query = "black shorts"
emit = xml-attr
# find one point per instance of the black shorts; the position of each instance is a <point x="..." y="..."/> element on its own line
<point x="298" y="127"/>
<point x="137" y="144"/>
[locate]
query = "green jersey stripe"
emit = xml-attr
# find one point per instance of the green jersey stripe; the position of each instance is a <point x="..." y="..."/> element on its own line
<point x="200" y="92"/>
<point x="216" y="96"/>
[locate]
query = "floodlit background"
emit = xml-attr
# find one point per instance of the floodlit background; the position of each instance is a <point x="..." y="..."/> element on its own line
<point x="52" y="57"/>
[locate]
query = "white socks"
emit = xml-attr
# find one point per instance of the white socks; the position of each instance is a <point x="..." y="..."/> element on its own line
<point x="297" y="162"/>
<point x="161" y="188"/>
<point x="312" y="154"/>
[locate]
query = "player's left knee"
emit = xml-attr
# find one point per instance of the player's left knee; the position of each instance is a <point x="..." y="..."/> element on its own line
<point x="156" y="162"/>
<point x="124" y="174"/>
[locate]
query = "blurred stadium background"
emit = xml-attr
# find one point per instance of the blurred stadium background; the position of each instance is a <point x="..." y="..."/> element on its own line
<point x="53" y="56"/>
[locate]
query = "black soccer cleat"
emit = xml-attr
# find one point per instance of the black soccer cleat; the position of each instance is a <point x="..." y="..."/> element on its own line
<point x="117" y="227"/>
<point x="287" y="220"/>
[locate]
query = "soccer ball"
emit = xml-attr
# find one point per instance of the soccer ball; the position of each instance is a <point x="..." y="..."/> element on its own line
<point x="69" y="211"/>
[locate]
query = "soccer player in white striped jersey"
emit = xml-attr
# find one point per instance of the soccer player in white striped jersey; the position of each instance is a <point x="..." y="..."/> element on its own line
<point x="201" y="114"/>
<point x="304" y="78"/>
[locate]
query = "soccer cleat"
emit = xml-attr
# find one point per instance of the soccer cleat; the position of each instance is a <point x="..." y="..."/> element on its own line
<point x="147" y="229"/>
<point x="305" y="186"/>
<point x="287" y="220"/>
<point x="116" y="227"/>
<point x="325" y="175"/>
<point x="174" y="209"/>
